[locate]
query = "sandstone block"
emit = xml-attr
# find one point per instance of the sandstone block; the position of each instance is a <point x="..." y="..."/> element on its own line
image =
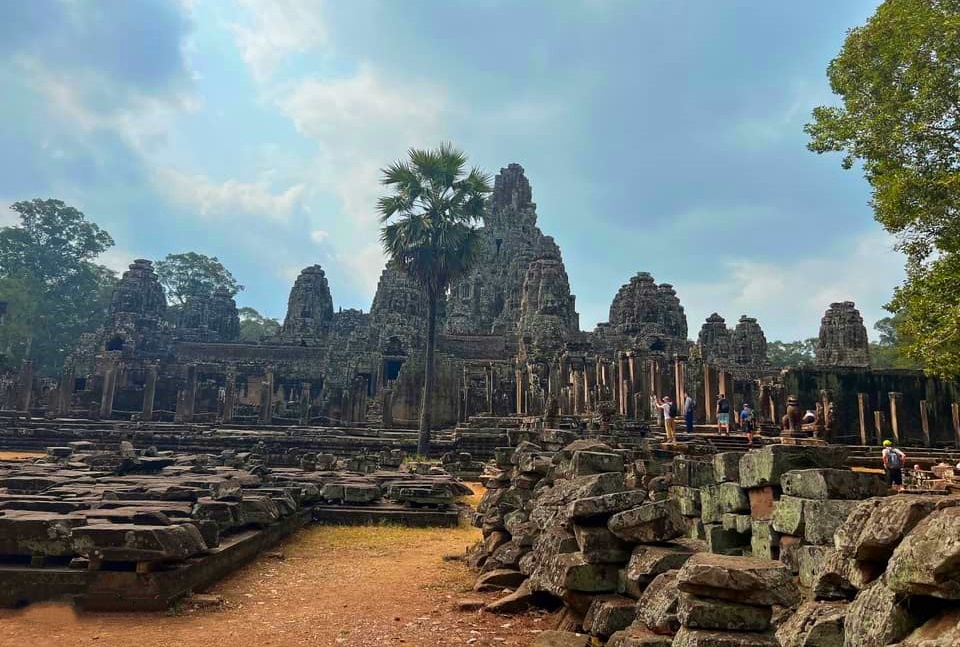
<point x="725" y="542"/>
<point x="709" y="638"/>
<point x="927" y="561"/>
<point x="764" y="540"/>
<point x="648" y="562"/>
<point x="585" y="463"/>
<point x="37" y="533"/>
<point x="732" y="498"/>
<point x="608" y="614"/>
<point x="702" y="613"/>
<point x="811" y="560"/>
<point x="739" y="579"/>
<point x="710" y="504"/>
<point x="649" y="524"/>
<point x="577" y="574"/>
<point x="726" y="466"/>
<point x="815" y="624"/>
<point x="688" y="500"/>
<point x="600" y="546"/>
<point x="832" y="484"/>
<point x="879" y="617"/>
<point x="739" y="523"/>
<point x="638" y="636"/>
<point x="499" y="579"/>
<point x="560" y="639"/>
<point x="519" y="601"/>
<point x="762" y="467"/>
<point x="763" y="500"/>
<point x="597" y="507"/>
<point x="657" y="607"/>
<point x="135" y="543"/>
<point x="823" y="517"/>
<point x="788" y="515"/>
<point x="693" y="473"/>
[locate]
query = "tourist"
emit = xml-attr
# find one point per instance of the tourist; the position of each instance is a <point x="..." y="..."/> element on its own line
<point x="669" y="414"/>
<point x="689" y="407"/>
<point x="723" y="415"/>
<point x="893" y="459"/>
<point x="746" y="421"/>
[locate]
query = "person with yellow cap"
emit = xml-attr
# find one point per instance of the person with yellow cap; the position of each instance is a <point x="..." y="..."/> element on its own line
<point x="893" y="459"/>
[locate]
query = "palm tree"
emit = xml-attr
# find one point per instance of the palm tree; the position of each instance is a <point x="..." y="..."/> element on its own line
<point x="428" y="232"/>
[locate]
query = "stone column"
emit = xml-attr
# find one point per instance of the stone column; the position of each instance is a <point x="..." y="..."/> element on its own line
<point x="68" y="383"/>
<point x="955" y="415"/>
<point x="763" y="402"/>
<point x="519" y="390"/>
<point x="488" y="377"/>
<point x="306" y="404"/>
<point x="925" y="422"/>
<point x="586" y="387"/>
<point x="878" y="425"/>
<point x="186" y="397"/>
<point x="109" y="390"/>
<point x="896" y="421"/>
<point x="679" y="371"/>
<point x="229" y="396"/>
<point x="863" y="404"/>
<point x="577" y="395"/>
<point x="825" y="398"/>
<point x="622" y="392"/>
<point x="25" y="386"/>
<point x="149" y="394"/>
<point x="266" y="397"/>
<point x="709" y="394"/>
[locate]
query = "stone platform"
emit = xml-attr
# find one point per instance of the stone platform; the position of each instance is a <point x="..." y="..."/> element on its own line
<point x="385" y="514"/>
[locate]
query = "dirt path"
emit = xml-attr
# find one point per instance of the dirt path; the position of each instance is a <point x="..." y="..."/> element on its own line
<point x="334" y="586"/>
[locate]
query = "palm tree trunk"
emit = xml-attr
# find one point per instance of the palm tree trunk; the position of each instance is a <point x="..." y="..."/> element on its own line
<point x="426" y="400"/>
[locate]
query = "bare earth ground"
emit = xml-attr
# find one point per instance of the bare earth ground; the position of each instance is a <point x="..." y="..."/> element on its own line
<point x="334" y="586"/>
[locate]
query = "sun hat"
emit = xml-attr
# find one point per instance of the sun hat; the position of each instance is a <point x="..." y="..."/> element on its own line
<point x="887" y="443"/>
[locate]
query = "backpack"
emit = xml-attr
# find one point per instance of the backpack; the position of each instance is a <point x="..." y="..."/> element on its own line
<point x="894" y="458"/>
<point x="723" y="406"/>
<point x="673" y="409"/>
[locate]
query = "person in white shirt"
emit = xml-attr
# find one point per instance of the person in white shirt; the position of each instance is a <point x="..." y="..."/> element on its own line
<point x="669" y="417"/>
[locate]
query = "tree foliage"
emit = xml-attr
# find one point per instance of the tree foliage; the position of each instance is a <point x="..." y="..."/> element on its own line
<point x="783" y="354"/>
<point x="429" y="233"/>
<point x="899" y="79"/>
<point x="48" y="277"/>
<point x="891" y="350"/>
<point x="190" y="273"/>
<point x="254" y="326"/>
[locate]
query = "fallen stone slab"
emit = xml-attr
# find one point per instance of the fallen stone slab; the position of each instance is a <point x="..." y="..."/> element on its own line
<point x="657" y="607"/>
<point x="37" y="533"/>
<point x="840" y="578"/>
<point x="599" y="507"/>
<point x="259" y="510"/>
<point x="608" y="614"/>
<point x="726" y="466"/>
<point x="649" y="524"/>
<point x="739" y="579"/>
<point x="725" y="542"/>
<point x="814" y="624"/>
<point x="600" y="546"/>
<point x="701" y="613"/>
<point x="647" y="562"/>
<point x="764" y="540"/>
<point x="499" y="580"/>
<point x="927" y="561"/>
<point x="709" y="638"/>
<point x="879" y="616"/>
<point x="133" y="543"/>
<point x="766" y="466"/>
<point x="833" y="484"/>
<point x="823" y="517"/>
<point x="585" y="463"/>
<point x="875" y="527"/>
<point x="693" y="473"/>
<point x="710" y="504"/>
<point x="788" y="515"/>
<point x="519" y="601"/>
<point x="739" y="523"/>
<point x="638" y="636"/>
<point x="732" y="498"/>
<point x="940" y="631"/>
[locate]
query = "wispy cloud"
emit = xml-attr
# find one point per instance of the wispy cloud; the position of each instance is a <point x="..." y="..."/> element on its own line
<point x="276" y="29"/>
<point x="226" y="199"/>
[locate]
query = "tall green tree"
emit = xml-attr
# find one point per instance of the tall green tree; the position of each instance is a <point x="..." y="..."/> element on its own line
<point x="254" y="326"/>
<point x="53" y="288"/>
<point x="429" y="233"/>
<point x="899" y="80"/>
<point x="190" y="273"/>
<point x="792" y="353"/>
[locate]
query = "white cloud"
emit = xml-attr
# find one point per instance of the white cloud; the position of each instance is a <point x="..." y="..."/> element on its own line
<point x="364" y="267"/>
<point x="319" y="236"/>
<point x="230" y="198"/>
<point x="118" y="259"/>
<point x="276" y="30"/>
<point x="788" y="297"/>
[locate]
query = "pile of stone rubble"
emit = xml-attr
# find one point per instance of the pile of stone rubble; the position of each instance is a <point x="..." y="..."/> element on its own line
<point x="776" y="546"/>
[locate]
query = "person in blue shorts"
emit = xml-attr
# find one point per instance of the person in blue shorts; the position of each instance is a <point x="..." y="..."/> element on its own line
<point x="723" y="415"/>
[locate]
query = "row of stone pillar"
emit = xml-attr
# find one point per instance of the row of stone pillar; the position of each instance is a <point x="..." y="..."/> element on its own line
<point x="896" y="421"/>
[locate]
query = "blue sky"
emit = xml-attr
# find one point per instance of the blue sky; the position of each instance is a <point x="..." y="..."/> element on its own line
<point x="659" y="135"/>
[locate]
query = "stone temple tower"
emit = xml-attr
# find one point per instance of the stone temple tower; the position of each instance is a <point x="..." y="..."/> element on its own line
<point x="309" y="308"/>
<point x="843" y="338"/>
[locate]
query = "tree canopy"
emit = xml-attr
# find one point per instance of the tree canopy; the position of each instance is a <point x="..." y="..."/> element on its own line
<point x="54" y="289"/>
<point x="429" y="233"/>
<point x="190" y="273"/>
<point x="899" y="80"/>
<point x="791" y="353"/>
<point x="254" y="326"/>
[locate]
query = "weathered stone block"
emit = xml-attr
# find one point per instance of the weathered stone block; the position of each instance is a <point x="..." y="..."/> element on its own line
<point x="789" y="556"/>
<point x="575" y="573"/>
<point x="726" y="466"/>
<point x="927" y="561"/>
<point x="560" y="639"/>
<point x="739" y="579"/>
<point x="37" y="533"/>
<point x="763" y="501"/>
<point x="259" y="510"/>
<point x="499" y="579"/>
<point x="638" y="635"/>
<point x="765" y="466"/>
<point x="135" y="543"/>
<point x="710" y="504"/>
<point x="693" y="473"/>
<point x="764" y="540"/>
<point x="823" y="517"/>
<point x="600" y="546"/>
<point x="739" y="523"/>
<point x="815" y="624"/>
<point x="876" y="527"/>
<point x="608" y="614"/>
<point x="732" y="498"/>
<point x="811" y="560"/>
<point x="657" y="607"/>
<point x="648" y="562"/>
<point x="788" y="515"/>
<point x="585" y="463"/>
<point x="598" y="507"/>
<point x="832" y="484"/>
<point x="879" y="617"/>
<point x="840" y="578"/>
<point x="688" y="500"/>
<point x="649" y="524"/>
<point x="710" y="638"/>
<point x="701" y="613"/>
